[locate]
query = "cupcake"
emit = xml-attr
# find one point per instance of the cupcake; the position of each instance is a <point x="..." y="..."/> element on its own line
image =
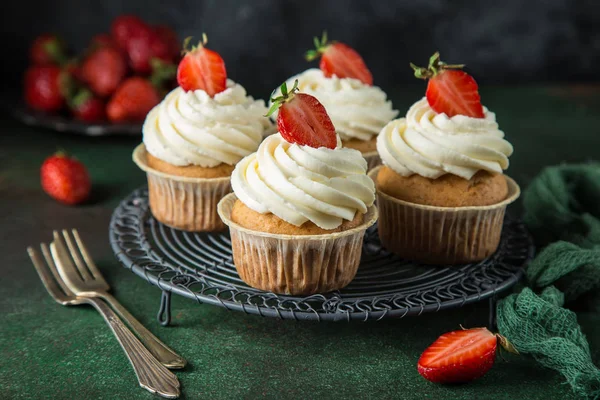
<point x="441" y="191"/>
<point x="344" y="85"/>
<point x="301" y="204"/>
<point x="193" y="139"/>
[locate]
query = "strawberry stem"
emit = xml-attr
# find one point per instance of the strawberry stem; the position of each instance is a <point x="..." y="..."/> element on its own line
<point x="506" y="344"/>
<point x="320" y="47"/>
<point x="286" y="95"/>
<point x="435" y="67"/>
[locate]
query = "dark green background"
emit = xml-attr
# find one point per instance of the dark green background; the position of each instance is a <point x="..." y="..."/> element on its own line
<point x="54" y="352"/>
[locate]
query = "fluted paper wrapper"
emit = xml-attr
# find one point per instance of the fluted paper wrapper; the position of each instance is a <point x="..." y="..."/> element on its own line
<point x="185" y="203"/>
<point x="373" y="159"/>
<point x="295" y="264"/>
<point x="441" y="235"/>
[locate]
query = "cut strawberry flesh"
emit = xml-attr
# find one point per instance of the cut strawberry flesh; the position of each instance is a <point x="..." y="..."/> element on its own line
<point x="459" y="356"/>
<point x="303" y="120"/>
<point x="202" y="69"/>
<point x="454" y="92"/>
<point x="344" y="62"/>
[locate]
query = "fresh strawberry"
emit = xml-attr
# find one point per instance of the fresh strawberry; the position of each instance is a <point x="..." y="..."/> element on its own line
<point x="103" y="70"/>
<point x="461" y="356"/>
<point x="65" y="179"/>
<point x="450" y="90"/>
<point x="170" y="38"/>
<point x="87" y="107"/>
<point x="133" y="100"/>
<point x="102" y="40"/>
<point x="47" y="49"/>
<point x="302" y="119"/>
<point x="202" y="69"/>
<point x="126" y="27"/>
<point x="44" y="88"/>
<point x="73" y="69"/>
<point x="144" y="46"/>
<point x="340" y="60"/>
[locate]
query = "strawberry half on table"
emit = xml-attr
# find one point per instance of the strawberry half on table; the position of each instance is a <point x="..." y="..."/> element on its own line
<point x="201" y="69"/>
<point x="450" y="90"/>
<point x="302" y="119"/>
<point x="340" y="60"/>
<point x="461" y="356"/>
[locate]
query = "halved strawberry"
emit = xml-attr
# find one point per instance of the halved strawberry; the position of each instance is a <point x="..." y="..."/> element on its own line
<point x="461" y="356"/>
<point x="339" y="59"/>
<point x="201" y="69"/>
<point x="450" y="90"/>
<point x="302" y="119"/>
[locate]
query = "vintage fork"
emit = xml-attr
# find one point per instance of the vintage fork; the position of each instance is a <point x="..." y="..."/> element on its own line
<point x="85" y="279"/>
<point x="151" y="374"/>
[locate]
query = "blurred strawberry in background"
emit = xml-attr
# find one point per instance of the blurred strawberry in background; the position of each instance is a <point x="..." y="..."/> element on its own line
<point x="120" y="76"/>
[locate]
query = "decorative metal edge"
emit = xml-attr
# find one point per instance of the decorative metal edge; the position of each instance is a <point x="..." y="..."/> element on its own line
<point x="334" y="303"/>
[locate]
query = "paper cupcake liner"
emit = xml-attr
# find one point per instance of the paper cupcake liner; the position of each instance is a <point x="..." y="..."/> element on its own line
<point x="295" y="264"/>
<point x="373" y="159"/>
<point x="441" y="235"/>
<point x="185" y="203"/>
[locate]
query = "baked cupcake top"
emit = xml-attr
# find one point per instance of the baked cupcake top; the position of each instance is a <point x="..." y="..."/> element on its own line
<point x="448" y="131"/>
<point x="302" y="173"/>
<point x="344" y="85"/>
<point x="208" y="119"/>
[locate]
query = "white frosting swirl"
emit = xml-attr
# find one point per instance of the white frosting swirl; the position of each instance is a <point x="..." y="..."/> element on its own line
<point x="192" y="128"/>
<point x="356" y="110"/>
<point x="301" y="183"/>
<point x="431" y="144"/>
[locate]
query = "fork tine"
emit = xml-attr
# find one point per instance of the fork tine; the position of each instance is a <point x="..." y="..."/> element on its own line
<point x="65" y="245"/>
<point x="52" y="257"/>
<point x="86" y="256"/>
<point x="46" y="275"/>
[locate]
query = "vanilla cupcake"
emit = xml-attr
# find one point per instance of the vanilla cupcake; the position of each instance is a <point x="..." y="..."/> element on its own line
<point x="441" y="192"/>
<point x="301" y="205"/>
<point x="344" y="86"/>
<point x="191" y="143"/>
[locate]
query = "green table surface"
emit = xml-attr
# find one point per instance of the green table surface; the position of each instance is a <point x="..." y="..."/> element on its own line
<point x="54" y="352"/>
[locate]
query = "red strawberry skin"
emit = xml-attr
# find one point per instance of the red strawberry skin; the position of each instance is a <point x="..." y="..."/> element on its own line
<point x="202" y="69"/>
<point x="454" y="92"/>
<point x="132" y="101"/>
<point x="145" y="45"/>
<point x="103" y="70"/>
<point x="125" y="27"/>
<point x="102" y="40"/>
<point x="344" y="62"/>
<point x="169" y="37"/>
<point x="303" y="120"/>
<point x="65" y="179"/>
<point x="459" y="356"/>
<point x="47" y="49"/>
<point x="43" y="88"/>
<point x="90" y="110"/>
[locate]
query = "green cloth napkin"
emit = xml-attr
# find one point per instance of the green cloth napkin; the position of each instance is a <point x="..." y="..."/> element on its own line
<point x="562" y="211"/>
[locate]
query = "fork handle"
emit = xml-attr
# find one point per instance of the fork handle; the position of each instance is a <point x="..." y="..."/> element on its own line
<point x="161" y="351"/>
<point x="151" y="374"/>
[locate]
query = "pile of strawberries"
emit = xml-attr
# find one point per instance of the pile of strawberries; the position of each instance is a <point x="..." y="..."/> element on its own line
<point x="119" y="77"/>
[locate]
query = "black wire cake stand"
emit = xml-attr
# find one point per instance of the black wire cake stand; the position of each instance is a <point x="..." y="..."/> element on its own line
<point x="199" y="266"/>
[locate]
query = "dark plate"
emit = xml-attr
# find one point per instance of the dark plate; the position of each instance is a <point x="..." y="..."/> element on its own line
<point x="63" y="123"/>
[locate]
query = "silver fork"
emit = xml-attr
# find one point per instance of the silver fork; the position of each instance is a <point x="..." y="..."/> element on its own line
<point x="85" y="279"/>
<point x="151" y="374"/>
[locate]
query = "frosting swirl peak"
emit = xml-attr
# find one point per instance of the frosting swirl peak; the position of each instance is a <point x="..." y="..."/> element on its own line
<point x="301" y="183"/>
<point x="432" y="144"/>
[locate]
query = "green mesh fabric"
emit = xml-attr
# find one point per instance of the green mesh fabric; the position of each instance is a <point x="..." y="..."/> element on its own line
<point x="541" y="327"/>
<point x="562" y="211"/>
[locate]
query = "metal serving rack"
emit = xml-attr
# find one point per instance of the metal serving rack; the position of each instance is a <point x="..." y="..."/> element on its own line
<point x="200" y="266"/>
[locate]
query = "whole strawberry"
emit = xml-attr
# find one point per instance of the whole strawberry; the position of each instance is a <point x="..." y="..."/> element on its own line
<point x="65" y="179"/>
<point x="144" y="46"/>
<point x="134" y="98"/>
<point x="171" y="40"/>
<point x="87" y="107"/>
<point x="44" y="88"/>
<point x="340" y="60"/>
<point x="103" y="70"/>
<point x="450" y="90"/>
<point x="125" y="27"/>
<point x="201" y="69"/>
<point x="461" y="356"/>
<point x="47" y="49"/>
